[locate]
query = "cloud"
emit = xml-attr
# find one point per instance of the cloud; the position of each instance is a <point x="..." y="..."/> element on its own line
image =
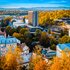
<point x="57" y="2"/>
<point x="31" y="5"/>
<point x="63" y="1"/>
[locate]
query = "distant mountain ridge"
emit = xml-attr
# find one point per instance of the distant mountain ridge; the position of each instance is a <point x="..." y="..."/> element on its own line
<point x="38" y="8"/>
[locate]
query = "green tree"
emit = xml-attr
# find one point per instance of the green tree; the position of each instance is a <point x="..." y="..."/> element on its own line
<point x="23" y="30"/>
<point x="37" y="34"/>
<point x="19" y="36"/>
<point x="64" y="39"/>
<point x="8" y="30"/>
<point x="53" y="47"/>
<point x="18" y="29"/>
<point x="44" y="40"/>
<point x="27" y="38"/>
<point x="11" y="31"/>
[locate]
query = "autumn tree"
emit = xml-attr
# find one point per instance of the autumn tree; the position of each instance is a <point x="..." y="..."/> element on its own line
<point x="28" y="38"/>
<point x="2" y="62"/>
<point x="37" y="34"/>
<point x="11" y="31"/>
<point x="44" y="39"/>
<point x="37" y="61"/>
<point x="23" y="30"/>
<point x="62" y="62"/>
<point x="37" y="49"/>
<point x="5" y="21"/>
<point x="41" y="65"/>
<point x="18" y="29"/>
<point x="48" y="17"/>
<point x="7" y="30"/>
<point x="12" y="59"/>
<point x="63" y="32"/>
<point x="19" y="36"/>
<point x="64" y="39"/>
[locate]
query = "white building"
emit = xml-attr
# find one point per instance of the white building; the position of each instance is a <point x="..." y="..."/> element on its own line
<point x="25" y="48"/>
<point x="61" y="47"/>
<point x="19" y="22"/>
<point x="5" y="43"/>
<point x="25" y="54"/>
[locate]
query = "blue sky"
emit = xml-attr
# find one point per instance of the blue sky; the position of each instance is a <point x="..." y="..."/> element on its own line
<point x="34" y="3"/>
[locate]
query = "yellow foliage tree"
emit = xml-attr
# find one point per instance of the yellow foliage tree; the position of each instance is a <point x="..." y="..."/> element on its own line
<point x="41" y="65"/>
<point x="52" y="15"/>
<point x="12" y="59"/>
<point x="61" y="63"/>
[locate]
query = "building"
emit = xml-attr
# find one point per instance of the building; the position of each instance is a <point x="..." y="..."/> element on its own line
<point x="67" y="26"/>
<point x="18" y="22"/>
<point x="2" y="33"/>
<point x="48" y="53"/>
<point x="6" y="42"/>
<point x="25" y="48"/>
<point x="33" y="29"/>
<point x="33" y="18"/>
<point x="61" y="47"/>
<point x="25" y="54"/>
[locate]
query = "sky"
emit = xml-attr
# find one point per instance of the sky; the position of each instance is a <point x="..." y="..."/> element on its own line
<point x="33" y="3"/>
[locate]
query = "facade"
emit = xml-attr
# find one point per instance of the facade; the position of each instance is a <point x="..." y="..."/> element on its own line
<point x="61" y="47"/>
<point x="33" y="18"/>
<point x="25" y="48"/>
<point x="2" y="33"/>
<point x="25" y="54"/>
<point x="18" y="22"/>
<point x="68" y="27"/>
<point x="48" y="53"/>
<point x="5" y="43"/>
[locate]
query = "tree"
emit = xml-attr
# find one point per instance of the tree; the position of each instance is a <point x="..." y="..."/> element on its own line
<point x="18" y="29"/>
<point x="2" y="29"/>
<point x="11" y="31"/>
<point x="53" y="47"/>
<point x="48" y="17"/>
<point x="49" y="31"/>
<point x="44" y="40"/>
<point x="5" y="21"/>
<point x="23" y="30"/>
<point x="64" y="39"/>
<point x="53" y="40"/>
<point x="2" y="61"/>
<point x="41" y="65"/>
<point x="12" y="59"/>
<point x="64" y="32"/>
<point x="2" y="23"/>
<point x="38" y="49"/>
<point x="37" y="61"/>
<point x="27" y="38"/>
<point x="8" y="30"/>
<point x="37" y="34"/>
<point x="19" y="36"/>
<point x="61" y="63"/>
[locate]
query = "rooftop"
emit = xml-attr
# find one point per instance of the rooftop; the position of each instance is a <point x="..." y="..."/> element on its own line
<point x="26" y="57"/>
<point x="64" y="46"/>
<point x="8" y="40"/>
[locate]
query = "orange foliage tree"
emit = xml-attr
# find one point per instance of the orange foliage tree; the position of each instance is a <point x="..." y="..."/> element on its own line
<point x="12" y="59"/>
<point x="61" y="63"/>
<point x="52" y="16"/>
